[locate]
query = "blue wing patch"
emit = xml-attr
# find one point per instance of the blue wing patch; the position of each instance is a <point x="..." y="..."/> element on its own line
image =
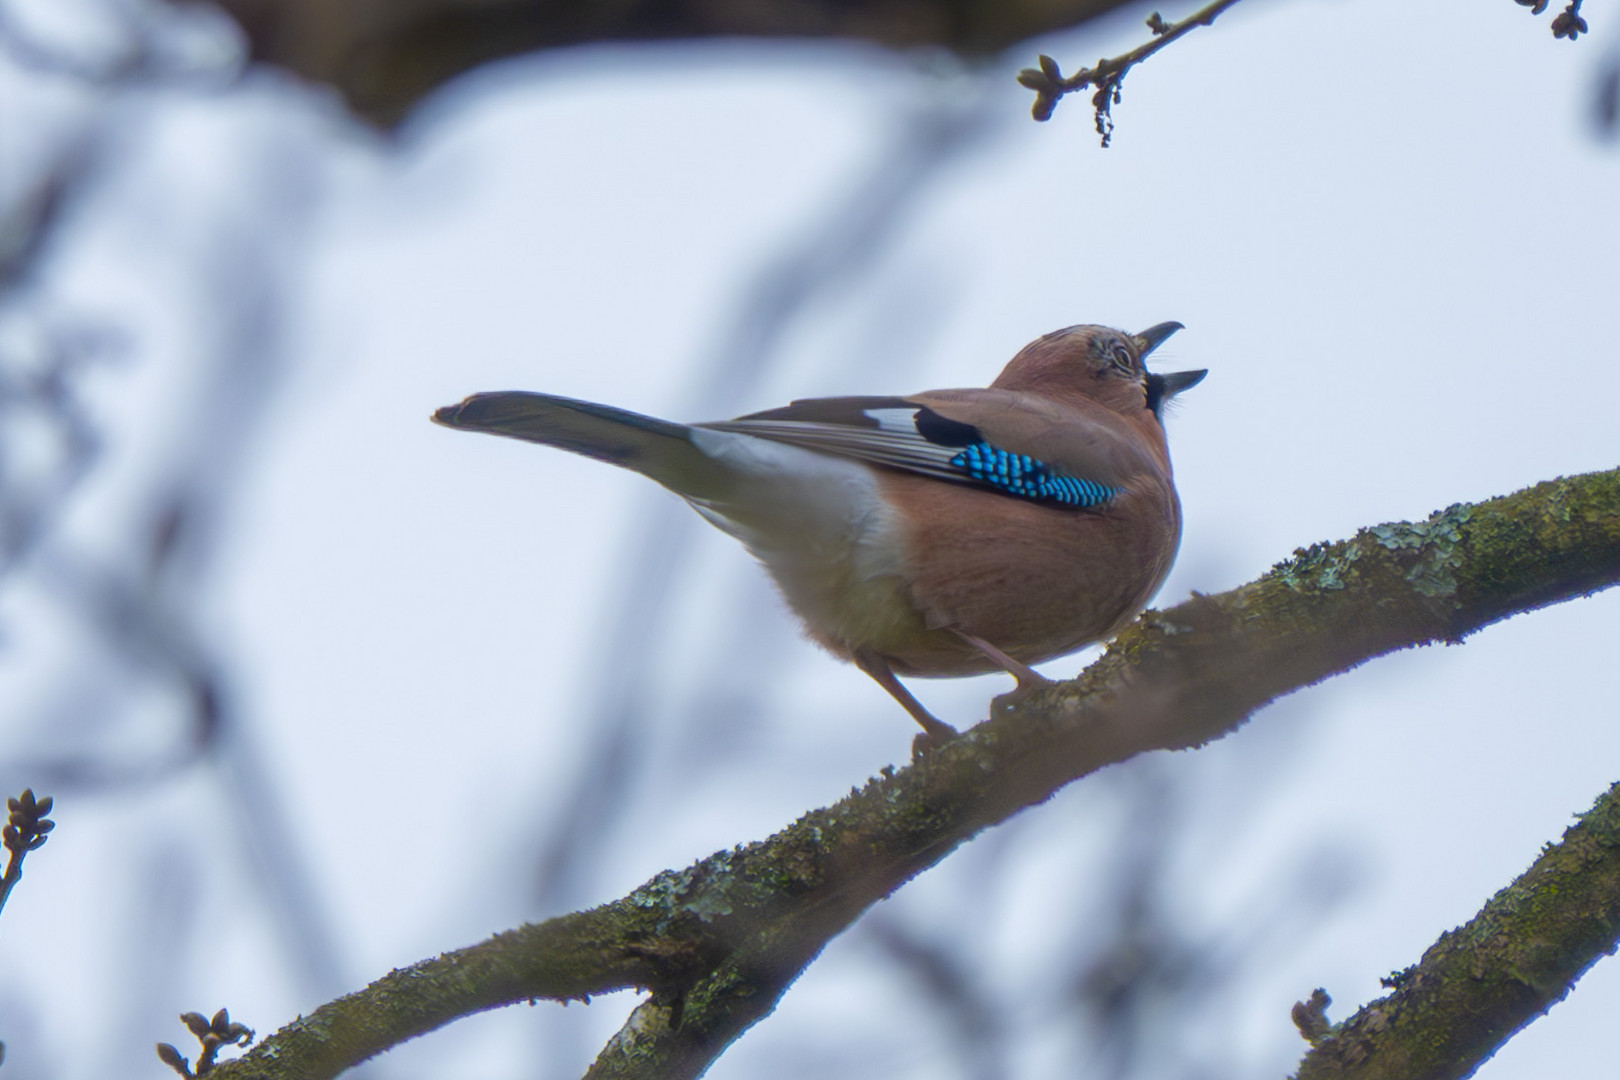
<point x="1022" y="475"/>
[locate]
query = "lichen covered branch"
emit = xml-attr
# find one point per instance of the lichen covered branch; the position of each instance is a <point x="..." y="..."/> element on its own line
<point x="1481" y="983"/>
<point x="719" y="942"/>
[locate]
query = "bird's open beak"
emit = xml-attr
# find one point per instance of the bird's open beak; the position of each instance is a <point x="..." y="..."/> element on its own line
<point x="1174" y="382"/>
<point x="1154" y="336"/>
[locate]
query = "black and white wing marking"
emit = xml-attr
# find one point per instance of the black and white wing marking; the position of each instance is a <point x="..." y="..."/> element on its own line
<point x="900" y="434"/>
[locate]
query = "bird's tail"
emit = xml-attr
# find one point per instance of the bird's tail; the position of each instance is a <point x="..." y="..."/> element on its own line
<point x="655" y="448"/>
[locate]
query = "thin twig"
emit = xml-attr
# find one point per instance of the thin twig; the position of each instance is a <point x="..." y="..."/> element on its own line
<point x="1050" y="84"/>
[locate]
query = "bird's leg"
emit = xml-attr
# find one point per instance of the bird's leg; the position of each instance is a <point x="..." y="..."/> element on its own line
<point x="1029" y="680"/>
<point x="874" y="665"/>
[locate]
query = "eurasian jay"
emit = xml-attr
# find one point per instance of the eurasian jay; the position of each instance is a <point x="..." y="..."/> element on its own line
<point x="951" y="532"/>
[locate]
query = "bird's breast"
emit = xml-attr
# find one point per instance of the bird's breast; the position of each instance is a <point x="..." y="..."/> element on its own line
<point x="1037" y="581"/>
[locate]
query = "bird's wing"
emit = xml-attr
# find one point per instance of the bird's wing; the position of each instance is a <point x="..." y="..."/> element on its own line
<point x="982" y="438"/>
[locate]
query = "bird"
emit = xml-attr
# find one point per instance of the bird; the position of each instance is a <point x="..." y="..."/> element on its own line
<point x="939" y="534"/>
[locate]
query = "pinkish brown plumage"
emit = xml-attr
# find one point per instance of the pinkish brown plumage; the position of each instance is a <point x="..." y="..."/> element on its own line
<point x="945" y="533"/>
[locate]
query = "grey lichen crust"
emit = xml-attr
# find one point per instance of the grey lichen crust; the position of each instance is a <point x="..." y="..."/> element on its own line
<point x="1437" y="543"/>
<point x="1320" y="566"/>
<point x="1430" y="549"/>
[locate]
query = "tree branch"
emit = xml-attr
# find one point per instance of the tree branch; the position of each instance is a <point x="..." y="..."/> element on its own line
<point x="719" y="942"/>
<point x="1479" y="985"/>
<point x="385" y="56"/>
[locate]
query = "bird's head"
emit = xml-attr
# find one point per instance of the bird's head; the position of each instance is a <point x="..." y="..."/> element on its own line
<point x="1096" y="362"/>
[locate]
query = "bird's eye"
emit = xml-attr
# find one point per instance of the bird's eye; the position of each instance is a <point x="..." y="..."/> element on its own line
<point x="1122" y="359"/>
